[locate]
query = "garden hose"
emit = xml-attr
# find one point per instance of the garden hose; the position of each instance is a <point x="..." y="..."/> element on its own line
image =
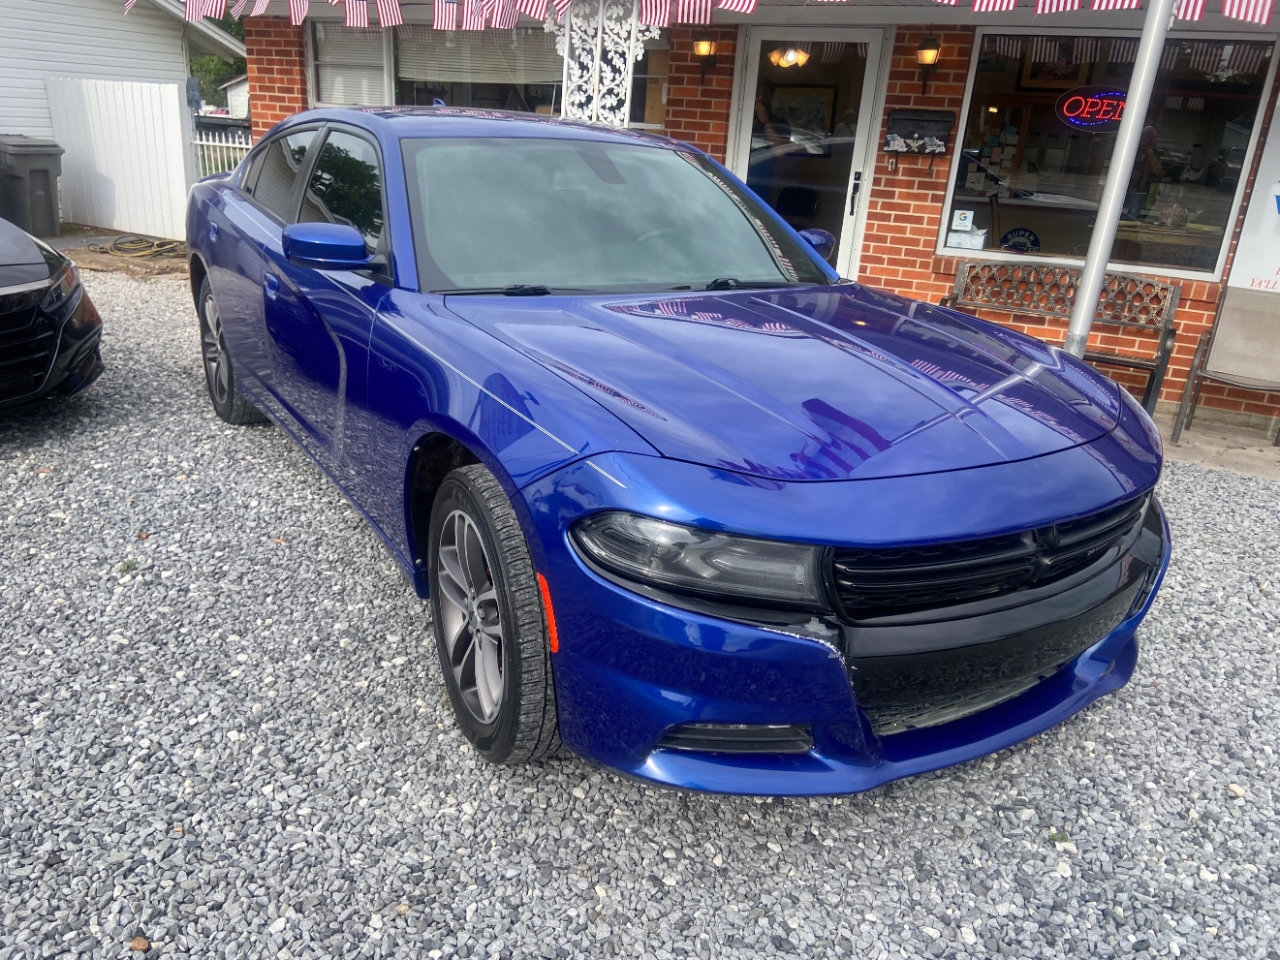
<point x="140" y="247"/>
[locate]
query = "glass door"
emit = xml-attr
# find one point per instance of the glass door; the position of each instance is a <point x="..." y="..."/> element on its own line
<point x="807" y="118"/>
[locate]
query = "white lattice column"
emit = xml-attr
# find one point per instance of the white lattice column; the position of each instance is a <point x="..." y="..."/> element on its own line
<point x="601" y="42"/>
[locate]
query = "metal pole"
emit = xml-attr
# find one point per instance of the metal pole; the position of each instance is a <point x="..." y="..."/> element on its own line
<point x="1159" y="19"/>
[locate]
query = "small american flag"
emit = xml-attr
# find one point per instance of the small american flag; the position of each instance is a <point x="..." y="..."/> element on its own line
<point x="473" y="12"/>
<point x="503" y="14"/>
<point x="1251" y="11"/>
<point x="1116" y="5"/>
<point x="1246" y="59"/>
<point x="1045" y="50"/>
<point x="216" y="9"/>
<point x="1085" y="49"/>
<point x="738" y="6"/>
<point x="259" y="7"/>
<point x="655" y="13"/>
<point x="1206" y="57"/>
<point x="444" y="15"/>
<point x="832" y="52"/>
<point x="533" y="8"/>
<point x="389" y="14"/>
<point x="357" y="13"/>
<point x="239" y="7"/>
<point x="562" y="8"/>
<point x="298" y="11"/>
<point x="1056" y="6"/>
<point x="193" y="10"/>
<point x="994" y="6"/>
<point x="1006" y="46"/>
<point x="1124" y="51"/>
<point x="128" y="5"/>
<point x="1189" y="9"/>
<point x="692" y="11"/>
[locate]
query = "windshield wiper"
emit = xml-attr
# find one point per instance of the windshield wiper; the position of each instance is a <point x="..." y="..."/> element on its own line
<point x="514" y="290"/>
<point x="733" y="283"/>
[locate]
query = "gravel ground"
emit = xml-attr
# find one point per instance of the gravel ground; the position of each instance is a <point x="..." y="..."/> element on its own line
<point x="224" y="731"/>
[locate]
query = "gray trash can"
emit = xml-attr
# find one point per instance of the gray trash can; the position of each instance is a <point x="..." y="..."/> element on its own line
<point x="29" y="171"/>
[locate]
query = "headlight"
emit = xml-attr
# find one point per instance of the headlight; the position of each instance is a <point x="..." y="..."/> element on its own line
<point x="65" y="283"/>
<point x="663" y="554"/>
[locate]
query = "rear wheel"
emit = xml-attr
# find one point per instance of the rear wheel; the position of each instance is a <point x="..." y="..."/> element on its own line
<point x="489" y="627"/>
<point x="219" y="375"/>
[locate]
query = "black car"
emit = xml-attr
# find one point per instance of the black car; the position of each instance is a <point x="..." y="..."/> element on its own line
<point x="49" y="329"/>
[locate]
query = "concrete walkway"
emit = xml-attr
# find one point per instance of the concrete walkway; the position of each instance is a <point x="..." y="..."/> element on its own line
<point x="1222" y="447"/>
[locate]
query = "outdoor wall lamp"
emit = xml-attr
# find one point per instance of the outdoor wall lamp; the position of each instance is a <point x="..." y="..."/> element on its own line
<point x="704" y="48"/>
<point x="927" y="59"/>
<point x="789" y="57"/>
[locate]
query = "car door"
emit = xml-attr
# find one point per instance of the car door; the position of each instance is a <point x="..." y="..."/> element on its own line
<point x="249" y="221"/>
<point x="318" y="322"/>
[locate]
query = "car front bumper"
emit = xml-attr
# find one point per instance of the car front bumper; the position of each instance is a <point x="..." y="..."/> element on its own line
<point x="633" y="672"/>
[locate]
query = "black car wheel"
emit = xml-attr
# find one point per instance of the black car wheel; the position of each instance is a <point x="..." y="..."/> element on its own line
<point x="218" y="373"/>
<point x="489" y="625"/>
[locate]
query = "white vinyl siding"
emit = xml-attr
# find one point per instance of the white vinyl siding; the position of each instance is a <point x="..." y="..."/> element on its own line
<point x="90" y="39"/>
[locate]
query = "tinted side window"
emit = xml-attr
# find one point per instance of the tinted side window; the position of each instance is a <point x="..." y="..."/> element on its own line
<point x="346" y="186"/>
<point x="281" y="160"/>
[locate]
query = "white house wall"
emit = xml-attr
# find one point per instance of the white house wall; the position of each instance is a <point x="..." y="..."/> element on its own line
<point x="89" y="39"/>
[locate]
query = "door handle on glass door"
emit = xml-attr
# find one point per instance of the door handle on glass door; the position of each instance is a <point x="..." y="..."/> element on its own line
<point x="853" y="193"/>
<point x="271" y="284"/>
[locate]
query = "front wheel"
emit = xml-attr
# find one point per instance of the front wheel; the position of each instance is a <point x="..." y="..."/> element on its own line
<point x="489" y="627"/>
<point x="219" y="375"/>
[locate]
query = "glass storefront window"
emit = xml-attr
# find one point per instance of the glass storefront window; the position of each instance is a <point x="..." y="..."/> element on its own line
<point x="495" y="69"/>
<point x="1028" y="181"/>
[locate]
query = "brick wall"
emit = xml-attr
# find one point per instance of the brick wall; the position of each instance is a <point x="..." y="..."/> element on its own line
<point x="696" y="112"/>
<point x="276" y="62"/>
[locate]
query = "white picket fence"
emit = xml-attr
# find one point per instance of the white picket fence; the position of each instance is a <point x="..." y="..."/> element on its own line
<point x="218" y="151"/>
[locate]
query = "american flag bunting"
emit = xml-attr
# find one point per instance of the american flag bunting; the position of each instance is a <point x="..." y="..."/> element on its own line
<point x="298" y="11"/>
<point x="994" y="6"/>
<point x="259" y="8"/>
<point x="1250" y="11"/>
<point x="357" y="13"/>
<point x="444" y="15"/>
<point x="473" y="14"/>
<point x="533" y="8"/>
<point x="1056" y="6"/>
<point x="692" y="11"/>
<point x="1205" y="57"/>
<point x="562" y="8"/>
<point x="503" y="14"/>
<point x="738" y="6"/>
<point x="238" y="8"/>
<point x="1189" y="9"/>
<point x="215" y="9"/>
<point x="1116" y="5"/>
<point x="128" y="5"/>
<point x="193" y="10"/>
<point x="1246" y="59"/>
<point x="389" y="14"/>
<point x="655" y="13"/>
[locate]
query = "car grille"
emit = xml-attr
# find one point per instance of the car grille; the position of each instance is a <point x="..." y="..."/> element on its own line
<point x="885" y="581"/>
<point x="27" y="342"/>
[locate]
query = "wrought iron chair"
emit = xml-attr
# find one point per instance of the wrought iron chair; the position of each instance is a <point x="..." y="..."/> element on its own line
<point x="1242" y="350"/>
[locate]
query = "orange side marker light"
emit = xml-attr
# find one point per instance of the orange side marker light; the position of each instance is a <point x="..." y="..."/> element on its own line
<point x="553" y="636"/>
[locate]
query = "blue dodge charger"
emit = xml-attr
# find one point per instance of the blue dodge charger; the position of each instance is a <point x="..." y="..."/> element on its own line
<point x="681" y="499"/>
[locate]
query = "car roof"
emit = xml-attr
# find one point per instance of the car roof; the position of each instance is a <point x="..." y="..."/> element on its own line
<point x="413" y="122"/>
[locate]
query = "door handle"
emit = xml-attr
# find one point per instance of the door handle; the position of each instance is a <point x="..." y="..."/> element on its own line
<point x="853" y="193"/>
<point x="213" y="232"/>
<point x="271" y="284"/>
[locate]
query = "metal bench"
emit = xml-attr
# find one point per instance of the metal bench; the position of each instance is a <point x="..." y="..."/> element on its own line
<point x="1140" y="304"/>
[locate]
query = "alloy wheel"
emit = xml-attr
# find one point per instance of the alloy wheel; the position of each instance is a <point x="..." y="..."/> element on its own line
<point x="216" y="366"/>
<point x="471" y="626"/>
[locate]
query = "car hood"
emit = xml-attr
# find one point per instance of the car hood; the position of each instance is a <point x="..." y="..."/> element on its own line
<point x="812" y="383"/>
<point x="22" y="260"/>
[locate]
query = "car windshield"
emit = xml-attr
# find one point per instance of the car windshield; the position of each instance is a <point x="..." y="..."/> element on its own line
<point x="539" y="216"/>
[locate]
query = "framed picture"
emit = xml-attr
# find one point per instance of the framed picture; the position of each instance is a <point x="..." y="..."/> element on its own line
<point x="809" y="109"/>
<point x="1058" y="73"/>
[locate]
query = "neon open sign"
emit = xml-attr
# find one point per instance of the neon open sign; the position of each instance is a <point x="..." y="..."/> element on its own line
<point x="1092" y="107"/>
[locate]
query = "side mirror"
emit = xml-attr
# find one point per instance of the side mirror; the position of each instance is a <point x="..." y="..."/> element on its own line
<point x="823" y="243"/>
<point x="326" y="246"/>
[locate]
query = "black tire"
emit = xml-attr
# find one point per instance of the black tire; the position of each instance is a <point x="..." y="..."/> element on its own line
<point x="487" y="613"/>
<point x="219" y="375"/>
